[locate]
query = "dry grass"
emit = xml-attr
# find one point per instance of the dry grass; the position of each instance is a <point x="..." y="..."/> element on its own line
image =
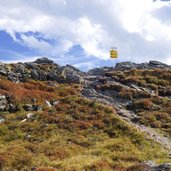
<point x="76" y="134"/>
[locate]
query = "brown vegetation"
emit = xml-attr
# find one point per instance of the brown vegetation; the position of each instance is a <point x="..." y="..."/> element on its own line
<point x="75" y="134"/>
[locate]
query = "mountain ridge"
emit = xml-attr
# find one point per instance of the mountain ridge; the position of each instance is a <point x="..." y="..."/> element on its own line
<point x="37" y="70"/>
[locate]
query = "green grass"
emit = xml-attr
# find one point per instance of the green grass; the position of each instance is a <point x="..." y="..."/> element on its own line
<point x="76" y="134"/>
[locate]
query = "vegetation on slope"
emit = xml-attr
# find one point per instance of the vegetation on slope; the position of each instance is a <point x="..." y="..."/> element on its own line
<point x="158" y="80"/>
<point x="74" y="134"/>
<point x="153" y="104"/>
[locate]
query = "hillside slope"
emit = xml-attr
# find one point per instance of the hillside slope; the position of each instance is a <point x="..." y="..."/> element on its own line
<point x="144" y="94"/>
<point x="59" y="118"/>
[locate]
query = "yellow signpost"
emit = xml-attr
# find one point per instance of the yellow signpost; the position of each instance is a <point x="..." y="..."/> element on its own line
<point x="113" y="53"/>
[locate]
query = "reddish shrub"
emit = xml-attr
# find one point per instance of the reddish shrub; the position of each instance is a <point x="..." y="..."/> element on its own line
<point x="82" y="124"/>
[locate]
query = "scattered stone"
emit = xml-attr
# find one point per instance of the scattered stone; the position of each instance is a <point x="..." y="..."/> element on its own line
<point x="2" y="120"/>
<point x="3" y="72"/>
<point x="135" y="87"/>
<point x="36" y="108"/>
<point x="52" y="83"/>
<point x="56" y="102"/>
<point x="151" y="163"/>
<point x="3" y="103"/>
<point x="34" y="100"/>
<point x="48" y="103"/>
<point x="23" y="120"/>
<point x="163" y="167"/>
<point x="2" y="97"/>
<point x="28" y="107"/>
<point x="13" y="108"/>
<point x="2" y="107"/>
<point x="30" y="115"/>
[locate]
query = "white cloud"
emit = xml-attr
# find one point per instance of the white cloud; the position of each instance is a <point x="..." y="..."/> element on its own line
<point x="34" y="43"/>
<point x="136" y="17"/>
<point x="94" y="25"/>
<point x="90" y="36"/>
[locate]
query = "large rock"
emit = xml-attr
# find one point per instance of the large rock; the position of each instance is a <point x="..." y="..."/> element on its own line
<point x="63" y="74"/>
<point x="157" y="63"/>
<point x="28" y="107"/>
<point x="100" y="71"/>
<point x="13" y="108"/>
<point x="125" y="65"/>
<point x="71" y="74"/>
<point x="32" y="107"/>
<point x="43" y="60"/>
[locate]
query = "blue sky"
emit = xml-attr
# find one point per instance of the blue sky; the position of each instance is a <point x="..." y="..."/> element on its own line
<point x="82" y="32"/>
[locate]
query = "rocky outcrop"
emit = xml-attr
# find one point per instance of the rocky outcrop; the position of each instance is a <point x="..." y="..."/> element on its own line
<point x="42" y="69"/>
<point x="122" y="66"/>
<point x="151" y="65"/>
<point x="100" y="71"/>
<point x="45" y="69"/>
<point x="43" y="60"/>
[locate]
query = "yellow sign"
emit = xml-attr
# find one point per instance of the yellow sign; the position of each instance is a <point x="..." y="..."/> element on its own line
<point x="113" y="53"/>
